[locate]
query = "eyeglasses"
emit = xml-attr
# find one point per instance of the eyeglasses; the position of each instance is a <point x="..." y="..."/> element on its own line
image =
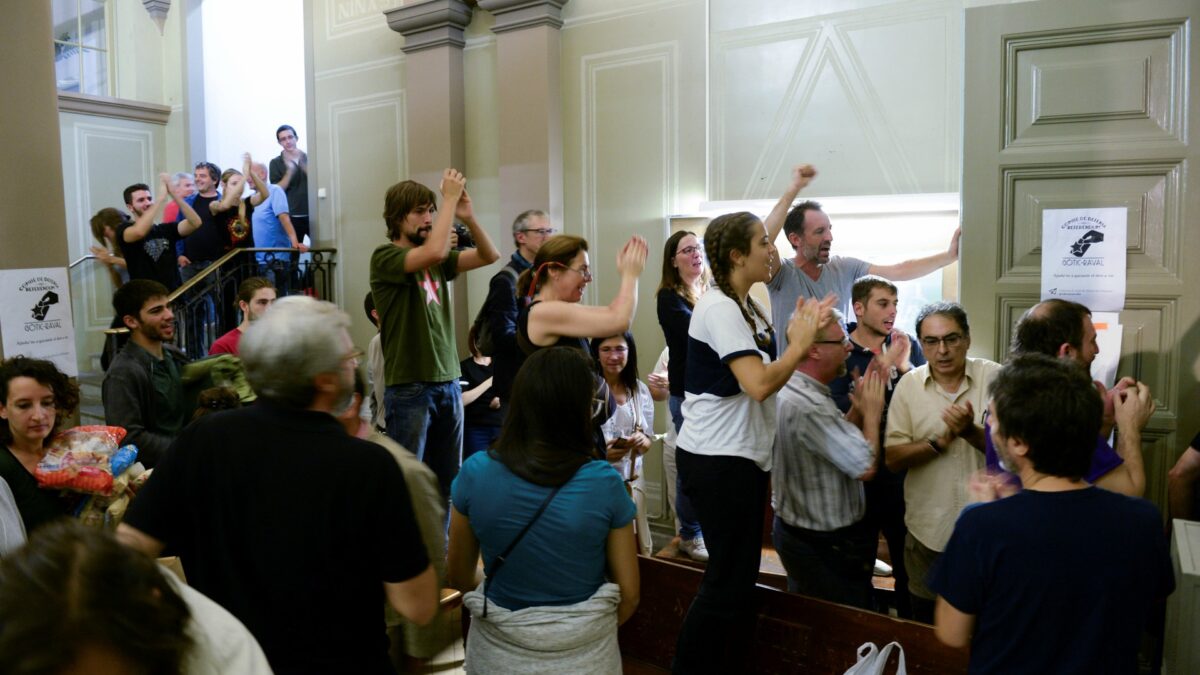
<point x="619" y="349"/>
<point x="688" y="250"/>
<point x="843" y="342"/>
<point x="951" y="341"/>
<point x="582" y="271"/>
<point x="354" y="355"/>
<point x="987" y="416"/>
<point x="544" y="231"/>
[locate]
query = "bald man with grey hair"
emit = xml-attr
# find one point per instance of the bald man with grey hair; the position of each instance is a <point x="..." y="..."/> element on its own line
<point x="296" y="528"/>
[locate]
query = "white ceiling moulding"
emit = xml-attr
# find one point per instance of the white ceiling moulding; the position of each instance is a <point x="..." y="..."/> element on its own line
<point x="158" y="11"/>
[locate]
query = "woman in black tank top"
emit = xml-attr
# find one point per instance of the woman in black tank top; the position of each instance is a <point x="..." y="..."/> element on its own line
<point x="554" y="287"/>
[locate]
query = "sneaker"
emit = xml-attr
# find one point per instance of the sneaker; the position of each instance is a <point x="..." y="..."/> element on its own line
<point x="882" y="569"/>
<point x="694" y="548"/>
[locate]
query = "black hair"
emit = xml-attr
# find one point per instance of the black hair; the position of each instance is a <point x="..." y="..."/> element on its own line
<point x="951" y="310"/>
<point x="547" y="434"/>
<point x="1053" y="407"/>
<point x="1048" y="325"/>
<point x="794" y="223"/>
<point x="66" y="392"/>
<point x="130" y="298"/>
<point x="128" y="193"/>
<point x="369" y="308"/>
<point x="629" y="374"/>
<point x="288" y="127"/>
<point x="214" y="171"/>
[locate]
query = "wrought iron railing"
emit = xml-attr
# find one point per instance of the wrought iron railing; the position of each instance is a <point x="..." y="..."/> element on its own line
<point x="205" y="307"/>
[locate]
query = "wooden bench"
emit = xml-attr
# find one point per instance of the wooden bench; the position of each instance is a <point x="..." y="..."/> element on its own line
<point x="794" y="633"/>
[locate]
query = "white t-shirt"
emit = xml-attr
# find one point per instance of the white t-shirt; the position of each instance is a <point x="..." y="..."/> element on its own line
<point x="719" y="418"/>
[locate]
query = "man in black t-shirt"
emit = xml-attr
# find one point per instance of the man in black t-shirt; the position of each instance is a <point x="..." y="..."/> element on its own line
<point x="209" y="242"/>
<point x="298" y="529"/>
<point x="149" y="249"/>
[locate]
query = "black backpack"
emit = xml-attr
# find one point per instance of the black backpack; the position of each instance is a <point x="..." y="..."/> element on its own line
<point x="484" y="340"/>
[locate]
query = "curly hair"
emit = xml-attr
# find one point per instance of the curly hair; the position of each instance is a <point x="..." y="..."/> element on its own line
<point x="66" y="392"/>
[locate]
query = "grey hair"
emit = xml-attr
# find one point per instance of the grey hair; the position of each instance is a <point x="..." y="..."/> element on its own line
<point x="522" y="221"/>
<point x="839" y="319"/>
<point x="296" y="340"/>
<point x="180" y="175"/>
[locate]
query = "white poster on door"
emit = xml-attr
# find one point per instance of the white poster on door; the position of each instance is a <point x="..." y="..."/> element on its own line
<point x="1083" y="257"/>
<point x="1108" y="338"/>
<point x="35" y="316"/>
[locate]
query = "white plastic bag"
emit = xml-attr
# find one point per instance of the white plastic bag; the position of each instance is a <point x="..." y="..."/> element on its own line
<point x="872" y="660"/>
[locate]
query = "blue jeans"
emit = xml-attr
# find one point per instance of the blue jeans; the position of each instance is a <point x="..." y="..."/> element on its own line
<point x="834" y="566"/>
<point x="689" y="524"/>
<point x="478" y="438"/>
<point x="427" y="419"/>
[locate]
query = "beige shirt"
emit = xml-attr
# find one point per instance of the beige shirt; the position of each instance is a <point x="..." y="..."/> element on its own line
<point x="936" y="492"/>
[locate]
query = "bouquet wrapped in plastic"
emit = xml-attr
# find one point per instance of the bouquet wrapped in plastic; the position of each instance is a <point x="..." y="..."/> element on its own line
<point x="86" y="459"/>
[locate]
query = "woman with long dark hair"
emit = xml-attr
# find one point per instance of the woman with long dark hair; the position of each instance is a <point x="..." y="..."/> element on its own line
<point x="724" y="446"/>
<point x="538" y="502"/>
<point x="683" y="282"/>
<point x="37" y="399"/>
<point x="628" y="414"/>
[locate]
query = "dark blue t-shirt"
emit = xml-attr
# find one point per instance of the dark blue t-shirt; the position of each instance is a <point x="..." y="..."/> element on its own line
<point x="1059" y="582"/>
<point x="562" y="558"/>
<point x="1104" y="459"/>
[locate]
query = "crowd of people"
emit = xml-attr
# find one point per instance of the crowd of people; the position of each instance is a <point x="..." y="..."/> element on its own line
<point x="508" y="474"/>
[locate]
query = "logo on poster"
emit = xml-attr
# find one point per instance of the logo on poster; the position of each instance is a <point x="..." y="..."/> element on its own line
<point x="1092" y="233"/>
<point x="41" y="308"/>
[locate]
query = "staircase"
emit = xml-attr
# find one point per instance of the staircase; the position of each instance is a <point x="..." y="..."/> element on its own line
<point x="91" y="405"/>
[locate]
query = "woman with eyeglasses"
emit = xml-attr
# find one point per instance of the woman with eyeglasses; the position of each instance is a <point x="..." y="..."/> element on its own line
<point x="724" y="446"/>
<point x="555" y="284"/>
<point x="628" y="411"/>
<point x="684" y="280"/>
<point x="552" y="523"/>
<point x="37" y="399"/>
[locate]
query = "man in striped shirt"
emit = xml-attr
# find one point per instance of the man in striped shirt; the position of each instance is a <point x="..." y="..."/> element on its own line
<point x="821" y="459"/>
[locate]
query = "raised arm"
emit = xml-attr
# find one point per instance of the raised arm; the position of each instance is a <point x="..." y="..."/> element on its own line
<point x="485" y="252"/>
<point x="1132" y="408"/>
<point x="141" y="226"/>
<point x="759" y="380"/>
<point x="260" y="190"/>
<point x="802" y="175"/>
<point x="919" y="267"/>
<point x="233" y="194"/>
<point x="436" y="248"/>
<point x="550" y="320"/>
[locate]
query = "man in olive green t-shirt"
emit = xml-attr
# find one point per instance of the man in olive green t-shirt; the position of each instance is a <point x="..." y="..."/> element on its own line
<point x="409" y="278"/>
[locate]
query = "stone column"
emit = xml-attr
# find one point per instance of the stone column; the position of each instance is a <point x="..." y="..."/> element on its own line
<point x="33" y="231"/>
<point x="530" y="108"/>
<point x="435" y="118"/>
<point x="434" y="106"/>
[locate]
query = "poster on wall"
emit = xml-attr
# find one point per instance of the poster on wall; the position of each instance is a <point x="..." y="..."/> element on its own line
<point x="35" y="316"/>
<point x="1108" y="339"/>
<point x="1083" y="256"/>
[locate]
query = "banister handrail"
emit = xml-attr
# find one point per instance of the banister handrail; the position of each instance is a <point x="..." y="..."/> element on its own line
<point x="80" y="261"/>
<point x="211" y="269"/>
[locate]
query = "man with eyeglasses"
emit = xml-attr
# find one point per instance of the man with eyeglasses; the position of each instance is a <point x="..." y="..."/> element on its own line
<point x="821" y="459"/>
<point x="934" y="430"/>
<point x="813" y="273"/>
<point x="529" y="231"/>
<point x="410" y="278"/>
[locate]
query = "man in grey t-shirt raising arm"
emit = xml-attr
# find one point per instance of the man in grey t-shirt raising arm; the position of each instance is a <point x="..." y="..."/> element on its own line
<point x="813" y="273"/>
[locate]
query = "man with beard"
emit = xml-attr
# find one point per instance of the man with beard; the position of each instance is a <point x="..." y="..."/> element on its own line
<point x="149" y="249"/>
<point x="1063" y="329"/>
<point x="143" y="388"/>
<point x="409" y="277"/>
<point x="813" y="273"/>
<point x="820" y="462"/>
<point x="255" y="297"/>
<point x="300" y="530"/>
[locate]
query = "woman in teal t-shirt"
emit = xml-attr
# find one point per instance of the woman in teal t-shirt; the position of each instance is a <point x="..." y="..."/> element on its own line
<point x="541" y="473"/>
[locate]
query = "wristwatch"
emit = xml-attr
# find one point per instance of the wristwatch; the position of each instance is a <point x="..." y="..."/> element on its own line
<point x="937" y="448"/>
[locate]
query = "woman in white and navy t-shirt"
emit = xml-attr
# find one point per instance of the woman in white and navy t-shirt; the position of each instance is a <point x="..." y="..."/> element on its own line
<point x="724" y="447"/>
